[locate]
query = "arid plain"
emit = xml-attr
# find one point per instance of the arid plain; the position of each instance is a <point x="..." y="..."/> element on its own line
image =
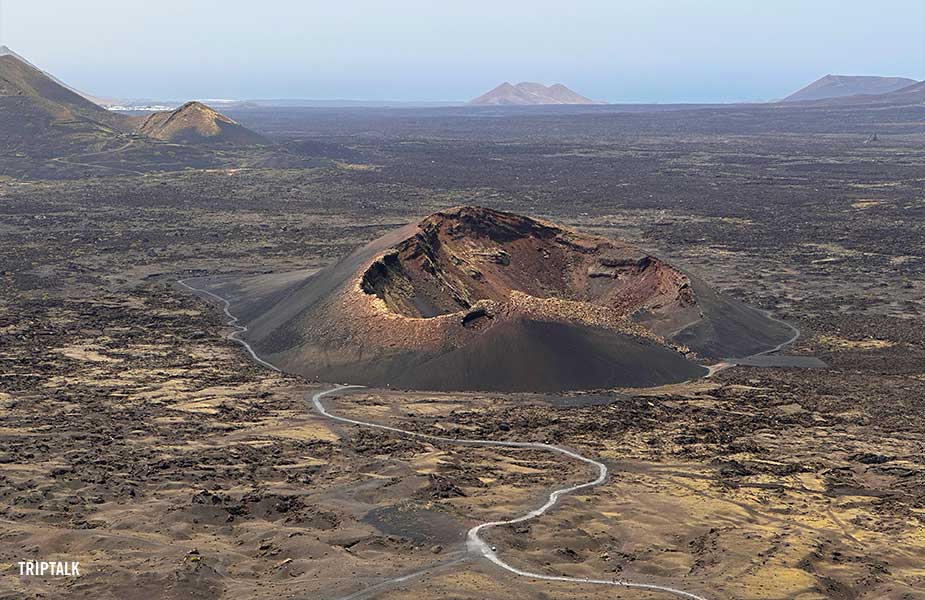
<point x="137" y="439"/>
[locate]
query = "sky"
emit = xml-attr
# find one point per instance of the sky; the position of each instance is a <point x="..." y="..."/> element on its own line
<point x="416" y="50"/>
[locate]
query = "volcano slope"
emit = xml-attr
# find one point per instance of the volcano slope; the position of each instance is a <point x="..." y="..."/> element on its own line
<point x="196" y="123"/>
<point x="476" y="299"/>
<point x="41" y="118"/>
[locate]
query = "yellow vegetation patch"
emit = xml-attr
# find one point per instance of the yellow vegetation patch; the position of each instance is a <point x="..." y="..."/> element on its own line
<point x="257" y="443"/>
<point x="148" y="349"/>
<point x="209" y="406"/>
<point x="840" y="343"/>
<point x="428" y="462"/>
<point x="375" y="412"/>
<point x="87" y="353"/>
<point x="863" y="204"/>
<point x="180" y="312"/>
<point x="356" y="167"/>
<point x="430" y="408"/>
<point x="308" y="431"/>
<point x="308" y="462"/>
<point x="793" y="408"/>
<point x="686" y="389"/>
<point x="167" y="420"/>
<point x="776" y="582"/>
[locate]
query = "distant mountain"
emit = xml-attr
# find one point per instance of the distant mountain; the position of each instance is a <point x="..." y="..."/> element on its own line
<point x="20" y="77"/>
<point x="196" y="123"/>
<point x="530" y="94"/>
<point x="49" y="131"/>
<point x="838" y="86"/>
<point x="41" y="117"/>
<point x="914" y="92"/>
<point x="6" y="51"/>
<point x="912" y="95"/>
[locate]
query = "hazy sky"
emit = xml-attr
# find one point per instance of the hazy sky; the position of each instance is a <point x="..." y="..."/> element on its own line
<point x="644" y="50"/>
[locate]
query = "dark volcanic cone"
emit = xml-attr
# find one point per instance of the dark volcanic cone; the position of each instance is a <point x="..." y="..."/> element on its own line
<point x="40" y="117"/>
<point x="472" y="298"/>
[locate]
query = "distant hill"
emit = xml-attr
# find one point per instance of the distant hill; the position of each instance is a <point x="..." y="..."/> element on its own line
<point x="196" y="123"/>
<point x="49" y="131"/>
<point x="6" y="51"/>
<point x="912" y="95"/>
<point x="530" y="94"/>
<point x="838" y="86"/>
<point x="19" y="77"/>
<point x="914" y="92"/>
<point x="41" y="117"/>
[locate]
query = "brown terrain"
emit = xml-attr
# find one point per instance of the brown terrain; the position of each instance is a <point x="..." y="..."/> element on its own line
<point x="529" y="94"/>
<point x="137" y="439"/>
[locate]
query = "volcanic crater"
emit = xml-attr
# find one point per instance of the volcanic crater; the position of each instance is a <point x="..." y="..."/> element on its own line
<point x="472" y="298"/>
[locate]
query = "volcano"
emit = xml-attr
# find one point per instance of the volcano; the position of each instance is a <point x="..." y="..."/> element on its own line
<point x="196" y="123"/>
<point x="6" y="51"/>
<point x="530" y="94"/>
<point x="476" y="299"/>
<point x="839" y="86"/>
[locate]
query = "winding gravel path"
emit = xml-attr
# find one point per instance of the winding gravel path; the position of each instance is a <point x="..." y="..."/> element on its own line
<point x="474" y="541"/>
<point x="233" y="322"/>
<point x="726" y="364"/>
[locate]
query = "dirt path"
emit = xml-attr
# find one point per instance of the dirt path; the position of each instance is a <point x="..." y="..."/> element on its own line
<point x="75" y="163"/>
<point x="725" y="364"/>
<point x="474" y="540"/>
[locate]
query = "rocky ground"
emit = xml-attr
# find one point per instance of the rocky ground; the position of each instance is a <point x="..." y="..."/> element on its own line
<point x="136" y="439"/>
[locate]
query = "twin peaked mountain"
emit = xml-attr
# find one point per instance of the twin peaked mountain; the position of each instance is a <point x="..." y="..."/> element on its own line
<point x="42" y="117"/>
<point x="530" y="94"/>
<point x="840" y="89"/>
